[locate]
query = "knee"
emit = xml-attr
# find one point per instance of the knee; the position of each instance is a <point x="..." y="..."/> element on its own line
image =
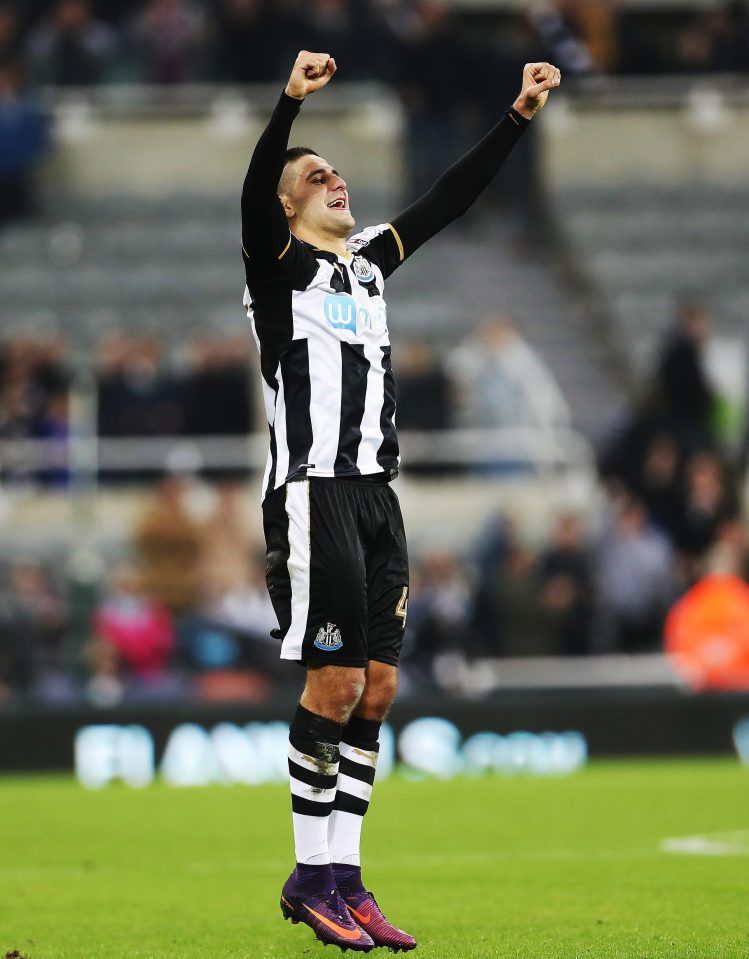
<point x="345" y="697"/>
<point x="333" y="692"/>
<point x="387" y="689"/>
<point x="378" y="696"/>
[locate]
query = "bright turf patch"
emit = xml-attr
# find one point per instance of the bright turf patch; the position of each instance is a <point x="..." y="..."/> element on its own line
<point x="510" y="868"/>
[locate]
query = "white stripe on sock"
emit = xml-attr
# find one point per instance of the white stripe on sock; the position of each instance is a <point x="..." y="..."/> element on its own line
<point x="364" y="757"/>
<point x="301" y="759"/>
<point x="354" y="787"/>
<point x="311" y="792"/>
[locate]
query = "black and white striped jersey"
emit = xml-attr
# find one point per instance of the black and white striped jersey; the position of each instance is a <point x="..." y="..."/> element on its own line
<point x="320" y="320"/>
<point x="325" y="357"/>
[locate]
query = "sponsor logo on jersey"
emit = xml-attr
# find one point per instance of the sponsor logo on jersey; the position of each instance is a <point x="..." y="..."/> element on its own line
<point x="340" y="311"/>
<point x="343" y="313"/>
<point x="328" y="638"/>
<point x="362" y="270"/>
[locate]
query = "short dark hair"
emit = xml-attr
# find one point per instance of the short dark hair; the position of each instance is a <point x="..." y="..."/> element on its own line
<point x="293" y="153"/>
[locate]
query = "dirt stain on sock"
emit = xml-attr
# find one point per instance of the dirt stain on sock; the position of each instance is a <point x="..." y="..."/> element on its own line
<point x="326" y="763"/>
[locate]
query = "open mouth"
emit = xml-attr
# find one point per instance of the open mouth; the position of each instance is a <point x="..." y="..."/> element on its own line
<point x="338" y="204"/>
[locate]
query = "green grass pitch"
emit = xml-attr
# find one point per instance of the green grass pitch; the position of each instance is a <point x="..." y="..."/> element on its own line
<point x="494" y="867"/>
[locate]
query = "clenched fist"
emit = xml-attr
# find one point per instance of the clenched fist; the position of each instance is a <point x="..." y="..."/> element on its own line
<point x="311" y="71"/>
<point x="538" y="79"/>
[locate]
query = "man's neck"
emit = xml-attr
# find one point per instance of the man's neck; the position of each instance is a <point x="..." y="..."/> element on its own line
<point x="322" y="241"/>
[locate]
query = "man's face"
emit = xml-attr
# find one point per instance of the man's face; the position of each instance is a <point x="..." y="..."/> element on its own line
<point x="317" y="198"/>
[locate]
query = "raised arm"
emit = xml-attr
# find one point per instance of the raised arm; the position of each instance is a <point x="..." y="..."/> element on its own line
<point x="265" y="232"/>
<point x="463" y="182"/>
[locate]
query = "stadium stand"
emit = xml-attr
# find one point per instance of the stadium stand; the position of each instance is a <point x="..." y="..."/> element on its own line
<point x="170" y="266"/>
<point x="646" y="247"/>
<point x="506" y="571"/>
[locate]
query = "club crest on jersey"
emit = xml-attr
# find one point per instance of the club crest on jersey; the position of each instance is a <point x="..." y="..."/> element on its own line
<point x="328" y="638"/>
<point x="362" y="270"/>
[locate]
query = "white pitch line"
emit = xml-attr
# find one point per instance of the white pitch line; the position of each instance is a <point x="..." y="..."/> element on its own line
<point x="709" y="844"/>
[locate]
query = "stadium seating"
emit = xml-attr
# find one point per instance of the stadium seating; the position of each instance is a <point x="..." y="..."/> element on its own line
<point x="172" y="264"/>
<point x="642" y="246"/>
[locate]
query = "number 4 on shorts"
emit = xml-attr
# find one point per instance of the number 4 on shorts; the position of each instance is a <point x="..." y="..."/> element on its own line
<point x="401" y="608"/>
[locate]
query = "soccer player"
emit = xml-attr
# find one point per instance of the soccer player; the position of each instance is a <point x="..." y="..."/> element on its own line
<point x="337" y="567"/>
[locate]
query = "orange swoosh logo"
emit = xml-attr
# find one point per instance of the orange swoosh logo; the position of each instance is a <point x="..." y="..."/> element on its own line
<point x="360" y="915"/>
<point x="346" y="933"/>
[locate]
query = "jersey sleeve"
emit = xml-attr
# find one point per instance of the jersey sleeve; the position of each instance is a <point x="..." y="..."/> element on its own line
<point x="459" y="186"/>
<point x="267" y="244"/>
<point x="381" y="244"/>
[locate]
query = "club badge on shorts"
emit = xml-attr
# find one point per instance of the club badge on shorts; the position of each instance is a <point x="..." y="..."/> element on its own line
<point x="328" y="638"/>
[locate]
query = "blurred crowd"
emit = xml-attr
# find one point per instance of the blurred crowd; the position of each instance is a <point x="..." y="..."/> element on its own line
<point x="403" y="43"/>
<point x="205" y="387"/>
<point x="84" y="42"/>
<point x="183" y="608"/>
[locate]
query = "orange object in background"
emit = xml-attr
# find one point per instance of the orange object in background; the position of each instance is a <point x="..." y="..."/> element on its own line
<point x="707" y="633"/>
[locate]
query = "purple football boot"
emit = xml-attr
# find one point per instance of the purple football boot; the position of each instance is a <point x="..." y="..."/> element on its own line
<point x="326" y="915"/>
<point x="368" y="915"/>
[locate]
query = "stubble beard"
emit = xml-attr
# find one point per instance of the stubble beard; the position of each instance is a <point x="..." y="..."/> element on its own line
<point x="342" y="227"/>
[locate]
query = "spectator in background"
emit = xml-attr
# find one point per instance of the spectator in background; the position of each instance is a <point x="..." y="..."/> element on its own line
<point x="597" y="23"/>
<point x="709" y="501"/>
<point x="33" y="619"/>
<point x="634" y="576"/>
<point x="9" y="34"/>
<point x="685" y="398"/>
<point x="244" y="47"/>
<point x="423" y="389"/>
<point x="507" y="616"/>
<point x="502" y="382"/>
<point x="561" y="26"/>
<point x="16" y="409"/>
<point x="519" y="624"/>
<point x="714" y="41"/>
<point x="17" y="647"/>
<point x="217" y="397"/>
<point x="286" y="23"/>
<point x="656" y="482"/>
<point x="169" y="38"/>
<point x="229" y="641"/>
<point x="226" y="541"/>
<point x="70" y="48"/>
<point x="51" y="390"/>
<point x="354" y="31"/>
<point x="169" y="543"/>
<point x="434" y="88"/>
<point x="24" y="140"/>
<point x="489" y="554"/>
<point x="33" y="404"/>
<point x="139" y="631"/>
<point x="566" y="582"/>
<point x="136" y="395"/>
<point x="243" y="605"/>
<point x="111" y="357"/>
<point x="439" y="612"/>
<point x="424" y="395"/>
<point x="54" y="427"/>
